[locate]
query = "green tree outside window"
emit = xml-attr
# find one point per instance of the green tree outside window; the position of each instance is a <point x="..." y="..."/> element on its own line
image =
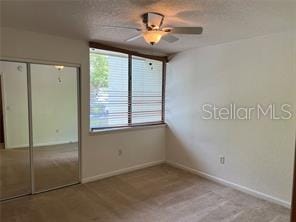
<point x="99" y="71"/>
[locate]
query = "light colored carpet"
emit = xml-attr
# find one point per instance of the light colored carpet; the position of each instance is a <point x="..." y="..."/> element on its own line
<point x="155" y="194"/>
<point x="53" y="166"/>
<point x="14" y="172"/>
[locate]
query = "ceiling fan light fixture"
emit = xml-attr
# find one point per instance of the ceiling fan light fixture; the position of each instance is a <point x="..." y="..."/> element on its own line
<point x="153" y="31"/>
<point x="153" y="37"/>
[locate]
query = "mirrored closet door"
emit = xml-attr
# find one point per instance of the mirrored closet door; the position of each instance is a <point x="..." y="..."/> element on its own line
<point x="39" y="128"/>
<point x="54" y="126"/>
<point x="15" y="177"/>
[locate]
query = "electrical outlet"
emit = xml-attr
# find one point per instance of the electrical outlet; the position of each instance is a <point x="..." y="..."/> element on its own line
<point x="222" y="159"/>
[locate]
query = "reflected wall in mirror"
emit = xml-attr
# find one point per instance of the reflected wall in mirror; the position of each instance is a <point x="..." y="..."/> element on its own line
<point x="14" y="131"/>
<point x="55" y="126"/>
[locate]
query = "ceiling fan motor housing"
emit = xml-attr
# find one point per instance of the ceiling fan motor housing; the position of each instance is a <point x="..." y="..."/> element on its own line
<point x="152" y="20"/>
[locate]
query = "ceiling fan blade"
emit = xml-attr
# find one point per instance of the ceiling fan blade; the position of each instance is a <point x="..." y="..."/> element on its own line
<point x="120" y="27"/>
<point x="186" y="30"/>
<point x="170" y="38"/>
<point x="134" y="38"/>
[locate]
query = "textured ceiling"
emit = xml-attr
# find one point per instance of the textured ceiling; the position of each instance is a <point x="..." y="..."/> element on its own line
<point x="223" y="20"/>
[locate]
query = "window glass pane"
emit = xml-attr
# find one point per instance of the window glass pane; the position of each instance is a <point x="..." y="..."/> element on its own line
<point x="108" y="89"/>
<point x="146" y="90"/>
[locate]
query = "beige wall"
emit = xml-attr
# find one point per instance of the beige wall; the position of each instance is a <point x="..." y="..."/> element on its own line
<point x="99" y="151"/>
<point x="258" y="153"/>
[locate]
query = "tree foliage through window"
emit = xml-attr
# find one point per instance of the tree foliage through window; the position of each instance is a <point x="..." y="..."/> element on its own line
<point x="99" y="70"/>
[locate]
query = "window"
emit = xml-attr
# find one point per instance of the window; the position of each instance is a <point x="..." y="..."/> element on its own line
<point x="108" y="89"/>
<point x="146" y="90"/>
<point x="125" y="90"/>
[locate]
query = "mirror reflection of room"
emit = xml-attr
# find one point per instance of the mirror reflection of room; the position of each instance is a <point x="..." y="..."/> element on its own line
<point x="46" y="97"/>
<point x="55" y="125"/>
<point x="14" y="127"/>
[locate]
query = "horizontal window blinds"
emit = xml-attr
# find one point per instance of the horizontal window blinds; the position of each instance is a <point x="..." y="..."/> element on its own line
<point x="124" y="90"/>
<point x="108" y="90"/>
<point x="146" y="90"/>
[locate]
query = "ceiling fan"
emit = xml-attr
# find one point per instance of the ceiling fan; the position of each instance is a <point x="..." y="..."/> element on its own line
<point x="153" y="30"/>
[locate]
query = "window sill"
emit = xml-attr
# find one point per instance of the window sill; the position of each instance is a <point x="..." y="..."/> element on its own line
<point x="128" y="128"/>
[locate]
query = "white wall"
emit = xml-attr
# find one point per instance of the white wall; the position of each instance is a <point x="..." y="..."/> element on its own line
<point x="258" y="153"/>
<point x="54" y="105"/>
<point x="15" y="104"/>
<point x="99" y="151"/>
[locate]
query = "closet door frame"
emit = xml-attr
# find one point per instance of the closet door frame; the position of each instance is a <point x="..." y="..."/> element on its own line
<point x="28" y="63"/>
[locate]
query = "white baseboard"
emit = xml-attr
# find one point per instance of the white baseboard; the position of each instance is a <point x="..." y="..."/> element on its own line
<point x="56" y="143"/>
<point x="41" y="144"/>
<point x="121" y="171"/>
<point x="241" y="188"/>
